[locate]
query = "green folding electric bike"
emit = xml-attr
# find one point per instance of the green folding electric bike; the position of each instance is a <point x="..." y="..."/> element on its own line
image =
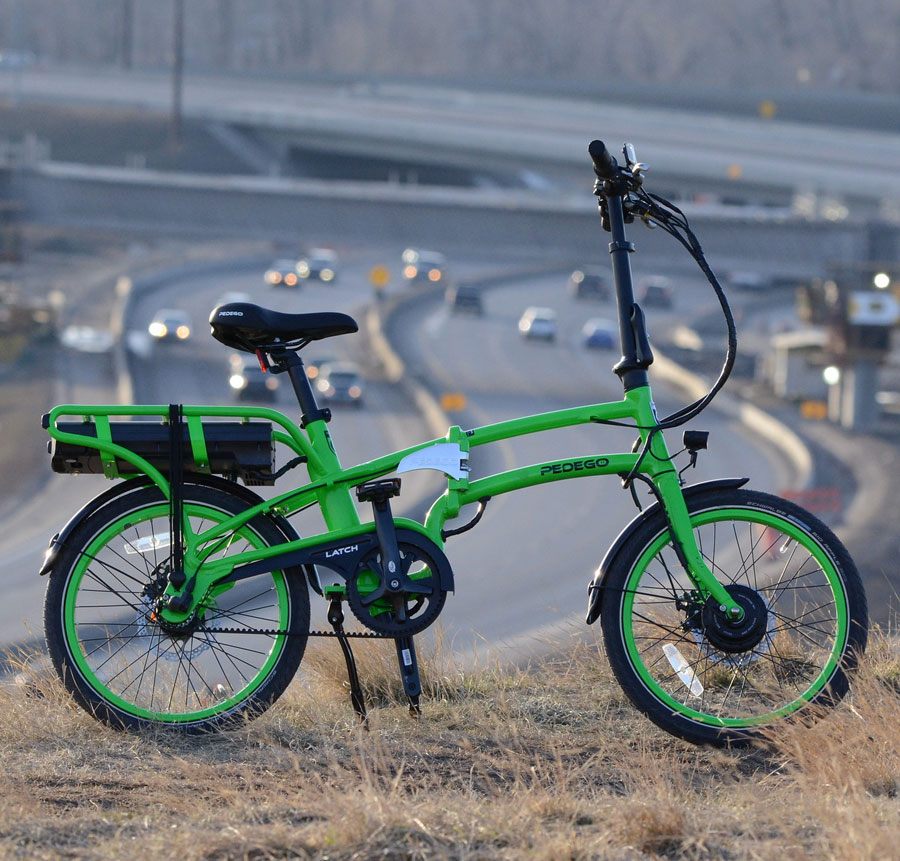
<point x="180" y="597"/>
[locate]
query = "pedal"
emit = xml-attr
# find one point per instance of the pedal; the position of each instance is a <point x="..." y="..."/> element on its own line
<point x="378" y="491"/>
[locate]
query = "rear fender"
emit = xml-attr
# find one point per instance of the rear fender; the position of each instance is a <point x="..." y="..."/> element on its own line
<point x="58" y="541"/>
<point x="595" y="587"/>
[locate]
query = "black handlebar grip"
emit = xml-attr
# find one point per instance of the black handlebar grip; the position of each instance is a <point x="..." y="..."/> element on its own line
<point x="605" y="166"/>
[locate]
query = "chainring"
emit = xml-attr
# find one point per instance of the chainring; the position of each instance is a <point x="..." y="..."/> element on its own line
<point x="400" y="613"/>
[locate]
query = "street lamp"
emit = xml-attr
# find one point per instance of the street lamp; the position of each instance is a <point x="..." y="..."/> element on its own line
<point x="831" y="375"/>
<point x="882" y="280"/>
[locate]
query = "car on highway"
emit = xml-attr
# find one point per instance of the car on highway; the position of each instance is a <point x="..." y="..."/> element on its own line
<point x="751" y="282"/>
<point x="538" y="324"/>
<point x="314" y="365"/>
<point x="340" y="383"/>
<point x="423" y="266"/>
<point x="170" y="324"/>
<point x="233" y="297"/>
<point x="588" y="284"/>
<point x="655" y="292"/>
<point x="465" y="299"/>
<point x="248" y="381"/>
<point x="600" y="334"/>
<point x="282" y="273"/>
<point x="318" y="264"/>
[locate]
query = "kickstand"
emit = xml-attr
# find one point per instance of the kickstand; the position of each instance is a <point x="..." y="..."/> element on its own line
<point x="409" y="672"/>
<point x="357" y="697"/>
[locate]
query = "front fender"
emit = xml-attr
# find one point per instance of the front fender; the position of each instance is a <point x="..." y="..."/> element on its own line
<point x="595" y="587"/>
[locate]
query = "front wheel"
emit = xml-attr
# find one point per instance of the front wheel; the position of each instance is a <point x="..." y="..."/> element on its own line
<point x="117" y="659"/>
<point x="707" y="680"/>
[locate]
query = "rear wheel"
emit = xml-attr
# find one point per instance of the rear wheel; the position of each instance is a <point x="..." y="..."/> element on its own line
<point x="705" y="679"/>
<point x="122" y="666"/>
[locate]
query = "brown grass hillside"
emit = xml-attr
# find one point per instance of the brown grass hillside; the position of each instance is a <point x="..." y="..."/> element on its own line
<point x="547" y="762"/>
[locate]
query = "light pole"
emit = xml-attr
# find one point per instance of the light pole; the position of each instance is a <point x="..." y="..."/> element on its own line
<point x="126" y="38"/>
<point x="175" y="135"/>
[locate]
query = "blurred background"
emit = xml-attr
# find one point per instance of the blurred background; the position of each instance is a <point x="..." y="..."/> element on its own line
<point x="423" y="167"/>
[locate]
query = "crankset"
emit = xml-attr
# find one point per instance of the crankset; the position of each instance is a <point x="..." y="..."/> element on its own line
<point x="396" y="603"/>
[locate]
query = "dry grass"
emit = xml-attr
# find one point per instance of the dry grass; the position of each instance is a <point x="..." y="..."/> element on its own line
<point x="547" y="762"/>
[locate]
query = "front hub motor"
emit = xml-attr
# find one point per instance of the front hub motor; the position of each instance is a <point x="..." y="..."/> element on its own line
<point x="736" y="636"/>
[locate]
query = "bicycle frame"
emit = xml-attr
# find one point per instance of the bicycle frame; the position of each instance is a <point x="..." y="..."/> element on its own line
<point x="330" y="484"/>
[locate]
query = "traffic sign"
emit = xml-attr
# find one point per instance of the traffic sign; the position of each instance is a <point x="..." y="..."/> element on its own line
<point x="872" y="309"/>
<point x="452" y="402"/>
<point x="379" y="276"/>
<point x="814" y="410"/>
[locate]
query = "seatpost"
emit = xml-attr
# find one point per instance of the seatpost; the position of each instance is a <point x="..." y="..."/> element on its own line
<point x="310" y="411"/>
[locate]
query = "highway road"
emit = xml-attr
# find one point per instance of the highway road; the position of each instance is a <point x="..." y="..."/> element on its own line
<point x="511" y="132"/>
<point x="526" y="566"/>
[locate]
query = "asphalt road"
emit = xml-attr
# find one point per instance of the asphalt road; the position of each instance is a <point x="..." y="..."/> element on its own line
<point x="526" y="566"/>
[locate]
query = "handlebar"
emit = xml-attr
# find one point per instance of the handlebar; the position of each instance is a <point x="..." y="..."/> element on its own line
<point x="605" y="166"/>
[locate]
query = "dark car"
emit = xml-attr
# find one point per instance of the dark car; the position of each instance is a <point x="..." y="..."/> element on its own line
<point x="248" y="381"/>
<point x="315" y="363"/>
<point x="587" y="284"/>
<point x="598" y="334"/>
<point x="655" y="292"/>
<point x="423" y="266"/>
<point x="340" y="383"/>
<point x="282" y="273"/>
<point x="464" y="300"/>
<point x="318" y="264"/>
<point x="170" y="324"/>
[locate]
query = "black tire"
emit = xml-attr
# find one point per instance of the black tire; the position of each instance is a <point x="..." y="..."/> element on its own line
<point x="655" y="689"/>
<point x="235" y="704"/>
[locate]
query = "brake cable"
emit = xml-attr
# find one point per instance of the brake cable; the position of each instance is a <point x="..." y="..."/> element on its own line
<point x="657" y="211"/>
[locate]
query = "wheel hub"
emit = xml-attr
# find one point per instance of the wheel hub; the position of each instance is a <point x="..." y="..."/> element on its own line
<point x="731" y="636"/>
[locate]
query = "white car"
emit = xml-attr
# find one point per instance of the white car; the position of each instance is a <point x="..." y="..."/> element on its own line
<point x="538" y="323"/>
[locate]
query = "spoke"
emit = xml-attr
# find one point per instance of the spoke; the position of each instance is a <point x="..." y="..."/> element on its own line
<point x="740" y="553"/>
<point x="251" y="598"/>
<point x="136" y="607"/>
<point x="215" y="655"/>
<point x="783" y="572"/>
<point x="225" y="650"/>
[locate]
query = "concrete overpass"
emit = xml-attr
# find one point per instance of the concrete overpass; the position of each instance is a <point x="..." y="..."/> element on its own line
<point x="506" y="132"/>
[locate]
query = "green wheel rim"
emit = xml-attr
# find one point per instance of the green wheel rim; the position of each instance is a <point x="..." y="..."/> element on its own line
<point x="80" y="653"/>
<point x="751" y="516"/>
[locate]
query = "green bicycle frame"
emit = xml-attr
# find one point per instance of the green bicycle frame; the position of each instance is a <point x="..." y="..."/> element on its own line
<point x="330" y="484"/>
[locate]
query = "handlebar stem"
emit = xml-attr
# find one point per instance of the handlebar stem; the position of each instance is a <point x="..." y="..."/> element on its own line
<point x="636" y="357"/>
